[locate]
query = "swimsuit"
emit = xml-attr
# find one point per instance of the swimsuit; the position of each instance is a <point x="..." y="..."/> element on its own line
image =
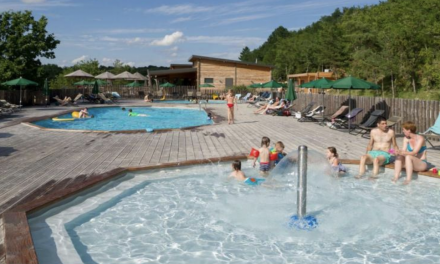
<point x="377" y="153"/>
<point x="422" y="149"/>
<point x="264" y="166"/>
<point x="230" y="105"/>
<point x="339" y="168"/>
<point x="133" y="114"/>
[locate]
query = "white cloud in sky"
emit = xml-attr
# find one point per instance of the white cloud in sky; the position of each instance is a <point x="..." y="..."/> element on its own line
<point x="169" y="39"/>
<point x="107" y="61"/>
<point x="33" y="1"/>
<point x="180" y="19"/>
<point x="83" y="57"/>
<point x="130" y="63"/>
<point x="179" y="9"/>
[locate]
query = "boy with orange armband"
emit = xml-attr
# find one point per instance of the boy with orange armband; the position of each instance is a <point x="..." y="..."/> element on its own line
<point x="264" y="156"/>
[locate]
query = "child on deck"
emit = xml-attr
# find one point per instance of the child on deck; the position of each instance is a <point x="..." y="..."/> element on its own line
<point x="237" y="173"/>
<point x="264" y="156"/>
<point x="332" y="156"/>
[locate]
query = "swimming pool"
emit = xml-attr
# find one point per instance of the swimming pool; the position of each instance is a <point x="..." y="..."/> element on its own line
<point x="193" y="215"/>
<point x="114" y="119"/>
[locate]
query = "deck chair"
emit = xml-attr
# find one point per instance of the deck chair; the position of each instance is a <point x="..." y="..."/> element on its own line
<point x="433" y="132"/>
<point x="64" y="102"/>
<point x="214" y="96"/>
<point x="92" y="98"/>
<point x="304" y="111"/>
<point x="309" y="116"/>
<point x="366" y="127"/>
<point x="340" y="113"/>
<point x="75" y="100"/>
<point x="106" y="100"/>
<point x="246" y="97"/>
<point x="343" y="122"/>
<point x="163" y="98"/>
<point x="8" y="106"/>
<point x="392" y="121"/>
<point x="199" y="95"/>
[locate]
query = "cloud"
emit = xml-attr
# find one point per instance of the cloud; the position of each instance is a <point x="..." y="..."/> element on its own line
<point x="180" y="19"/>
<point x="169" y="39"/>
<point x="227" y="40"/>
<point x="130" y="63"/>
<point x="33" y="1"/>
<point x="179" y="9"/>
<point x="118" y="31"/>
<point x="83" y="57"/>
<point x="107" y="61"/>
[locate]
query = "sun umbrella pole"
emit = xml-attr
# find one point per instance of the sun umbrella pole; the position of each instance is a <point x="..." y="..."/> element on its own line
<point x="20" y="97"/>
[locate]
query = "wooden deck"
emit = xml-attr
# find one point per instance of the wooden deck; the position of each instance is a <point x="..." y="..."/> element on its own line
<point x="31" y="158"/>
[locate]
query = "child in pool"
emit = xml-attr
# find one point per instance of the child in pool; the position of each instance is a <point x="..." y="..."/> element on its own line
<point x="131" y="113"/>
<point x="332" y="156"/>
<point x="237" y="173"/>
<point x="279" y="149"/>
<point x="264" y="156"/>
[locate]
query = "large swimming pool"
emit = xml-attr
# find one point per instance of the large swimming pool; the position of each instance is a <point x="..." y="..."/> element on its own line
<point x="115" y="119"/>
<point x="195" y="215"/>
<point x="190" y="102"/>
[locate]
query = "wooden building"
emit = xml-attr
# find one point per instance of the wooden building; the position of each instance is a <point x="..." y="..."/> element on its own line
<point x="301" y="78"/>
<point x="221" y="73"/>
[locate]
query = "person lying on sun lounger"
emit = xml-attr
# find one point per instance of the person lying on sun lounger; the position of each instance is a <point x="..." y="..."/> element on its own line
<point x="263" y="107"/>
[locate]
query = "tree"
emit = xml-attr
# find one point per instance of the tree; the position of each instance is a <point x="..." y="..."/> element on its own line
<point x="23" y="40"/>
<point x="246" y="55"/>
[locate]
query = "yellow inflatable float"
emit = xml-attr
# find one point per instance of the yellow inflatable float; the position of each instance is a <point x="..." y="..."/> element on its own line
<point x="56" y="119"/>
<point x="75" y="114"/>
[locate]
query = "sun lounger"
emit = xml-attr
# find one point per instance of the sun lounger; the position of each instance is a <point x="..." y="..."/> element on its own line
<point x="246" y="97"/>
<point x="304" y="111"/>
<point x="392" y="121"/>
<point x="106" y="100"/>
<point x="92" y="99"/>
<point x="75" y="100"/>
<point x="310" y="116"/>
<point x="214" y="96"/>
<point x="366" y="127"/>
<point x="343" y="110"/>
<point x="237" y="97"/>
<point x="433" y="132"/>
<point x="65" y="102"/>
<point x="346" y="120"/>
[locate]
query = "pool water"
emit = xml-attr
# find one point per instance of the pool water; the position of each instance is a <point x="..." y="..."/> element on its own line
<point x="114" y="119"/>
<point x="194" y="215"/>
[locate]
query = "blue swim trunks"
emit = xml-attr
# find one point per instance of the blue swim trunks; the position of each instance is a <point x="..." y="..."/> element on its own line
<point x="377" y="153"/>
<point x="264" y="166"/>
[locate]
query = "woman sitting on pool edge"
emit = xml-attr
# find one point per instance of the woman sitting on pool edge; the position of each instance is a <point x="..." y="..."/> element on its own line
<point x="412" y="156"/>
<point x="131" y="113"/>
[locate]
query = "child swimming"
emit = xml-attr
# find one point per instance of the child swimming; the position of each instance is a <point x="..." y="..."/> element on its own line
<point x="131" y="113"/>
<point x="277" y="153"/>
<point x="237" y="173"/>
<point x="264" y="156"/>
<point x="332" y="156"/>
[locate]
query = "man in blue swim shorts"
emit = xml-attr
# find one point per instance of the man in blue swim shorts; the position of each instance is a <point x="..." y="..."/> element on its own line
<point x="378" y="148"/>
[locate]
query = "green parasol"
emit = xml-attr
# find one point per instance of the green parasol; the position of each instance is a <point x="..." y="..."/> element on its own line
<point x="272" y="84"/>
<point x="20" y="82"/>
<point x="46" y="90"/>
<point x="255" y="85"/>
<point x="134" y="84"/>
<point x="291" y="95"/>
<point x="95" y="89"/>
<point x="167" y="84"/>
<point x="206" y="85"/>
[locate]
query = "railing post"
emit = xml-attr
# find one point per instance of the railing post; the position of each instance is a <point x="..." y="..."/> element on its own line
<point x="302" y="181"/>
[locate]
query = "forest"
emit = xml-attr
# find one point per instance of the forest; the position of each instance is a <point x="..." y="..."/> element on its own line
<point x="395" y="44"/>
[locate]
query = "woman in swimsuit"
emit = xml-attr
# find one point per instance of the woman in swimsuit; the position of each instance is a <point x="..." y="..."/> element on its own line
<point x="230" y="100"/>
<point x="412" y="157"/>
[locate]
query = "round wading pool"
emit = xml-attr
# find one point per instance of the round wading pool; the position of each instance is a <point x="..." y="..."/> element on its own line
<point x="116" y="119"/>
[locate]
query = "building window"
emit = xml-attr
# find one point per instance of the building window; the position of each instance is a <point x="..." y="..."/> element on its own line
<point x="209" y="80"/>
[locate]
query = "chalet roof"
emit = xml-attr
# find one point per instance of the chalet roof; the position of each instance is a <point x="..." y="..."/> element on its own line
<point x="196" y="57"/>
<point x="316" y="74"/>
<point x="175" y="71"/>
<point x="181" y="65"/>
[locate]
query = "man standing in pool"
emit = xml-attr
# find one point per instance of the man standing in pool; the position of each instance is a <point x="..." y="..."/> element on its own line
<point x="378" y="149"/>
<point x="230" y="101"/>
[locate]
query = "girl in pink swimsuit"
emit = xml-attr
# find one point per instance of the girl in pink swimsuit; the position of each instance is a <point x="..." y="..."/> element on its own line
<point x="230" y="100"/>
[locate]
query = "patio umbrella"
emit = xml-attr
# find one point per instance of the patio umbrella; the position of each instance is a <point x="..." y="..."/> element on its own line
<point x="125" y="75"/>
<point x="167" y="84"/>
<point x="134" y="84"/>
<point x="80" y="74"/>
<point x="20" y="82"/>
<point x="206" y="85"/>
<point x="105" y="76"/>
<point x="318" y="83"/>
<point x="255" y="85"/>
<point x="351" y="83"/>
<point x="272" y="84"/>
<point x="95" y="89"/>
<point x="291" y="95"/>
<point x="101" y="82"/>
<point x="46" y="90"/>
<point x="83" y="83"/>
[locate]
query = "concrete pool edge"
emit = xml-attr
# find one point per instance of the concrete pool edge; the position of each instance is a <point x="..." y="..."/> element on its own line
<point x="29" y="122"/>
<point x="18" y="245"/>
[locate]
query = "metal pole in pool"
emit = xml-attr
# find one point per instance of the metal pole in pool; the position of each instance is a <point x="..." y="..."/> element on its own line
<point x="302" y="181"/>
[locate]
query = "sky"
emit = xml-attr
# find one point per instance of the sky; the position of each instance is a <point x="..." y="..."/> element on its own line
<point x="159" y="32"/>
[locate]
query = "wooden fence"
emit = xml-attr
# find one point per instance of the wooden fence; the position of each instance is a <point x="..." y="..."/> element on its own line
<point x="422" y="113"/>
